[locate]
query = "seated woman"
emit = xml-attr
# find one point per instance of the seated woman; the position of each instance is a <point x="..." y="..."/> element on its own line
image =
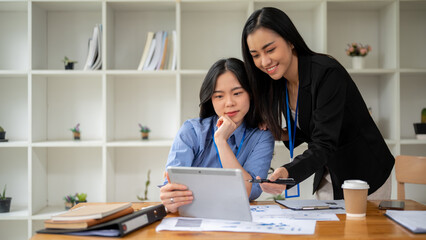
<point x="225" y="135"/>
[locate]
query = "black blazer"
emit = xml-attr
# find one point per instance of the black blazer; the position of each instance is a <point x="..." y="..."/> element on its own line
<point x="336" y="124"/>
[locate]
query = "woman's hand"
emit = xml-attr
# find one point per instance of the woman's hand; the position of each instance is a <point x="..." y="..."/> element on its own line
<point x="263" y="126"/>
<point x="225" y="128"/>
<point x="272" y="187"/>
<point x="284" y="135"/>
<point x="174" y="195"/>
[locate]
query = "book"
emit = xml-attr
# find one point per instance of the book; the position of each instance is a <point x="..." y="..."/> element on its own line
<point x="119" y="226"/>
<point x="92" y="52"/>
<point x="145" y="52"/>
<point x="150" y="53"/>
<point x="97" y="62"/>
<point x="92" y="211"/>
<point x="163" y="58"/>
<point x="157" y="51"/>
<point x="83" y="224"/>
<point x="415" y="221"/>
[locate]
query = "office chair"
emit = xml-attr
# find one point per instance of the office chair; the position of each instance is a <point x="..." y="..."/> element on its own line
<point x="409" y="169"/>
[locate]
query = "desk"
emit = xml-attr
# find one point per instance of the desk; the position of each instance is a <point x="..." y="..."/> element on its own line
<point x="374" y="226"/>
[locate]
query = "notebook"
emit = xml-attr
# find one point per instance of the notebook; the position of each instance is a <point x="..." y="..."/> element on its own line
<point x="218" y="193"/>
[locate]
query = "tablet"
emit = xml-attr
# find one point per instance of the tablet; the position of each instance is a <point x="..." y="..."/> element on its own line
<point x="218" y="193"/>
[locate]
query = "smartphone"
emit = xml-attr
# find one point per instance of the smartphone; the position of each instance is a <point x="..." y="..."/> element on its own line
<point x="392" y="205"/>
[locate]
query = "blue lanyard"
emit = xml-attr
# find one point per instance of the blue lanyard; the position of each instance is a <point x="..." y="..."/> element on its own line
<point x="217" y="151"/>
<point x="292" y="135"/>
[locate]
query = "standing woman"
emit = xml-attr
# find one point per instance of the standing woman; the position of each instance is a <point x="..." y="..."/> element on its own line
<point x="315" y="91"/>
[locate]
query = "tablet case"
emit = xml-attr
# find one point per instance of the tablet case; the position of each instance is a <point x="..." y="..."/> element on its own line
<point x="122" y="226"/>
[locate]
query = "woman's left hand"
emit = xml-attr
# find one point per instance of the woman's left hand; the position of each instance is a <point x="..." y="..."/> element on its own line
<point x="225" y="128"/>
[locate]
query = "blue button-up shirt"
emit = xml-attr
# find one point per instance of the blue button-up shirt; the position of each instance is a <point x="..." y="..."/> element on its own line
<point x="193" y="146"/>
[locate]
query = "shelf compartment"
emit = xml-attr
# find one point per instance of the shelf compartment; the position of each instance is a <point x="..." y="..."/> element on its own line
<point x="16" y="229"/>
<point x="201" y="46"/>
<point x="412" y="34"/>
<point x="14" y="44"/>
<point x="62" y="29"/>
<point x="413" y="100"/>
<point x="378" y="92"/>
<point x="128" y="25"/>
<point x="142" y="143"/>
<point x="59" y="103"/>
<point x="190" y="88"/>
<point x="14" y="107"/>
<point x="57" y="172"/>
<point x="150" y="101"/>
<point x="309" y="17"/>
<point x="130" y="165"/>
<point x="365" y="22"/>
<point x="14" y="174"/>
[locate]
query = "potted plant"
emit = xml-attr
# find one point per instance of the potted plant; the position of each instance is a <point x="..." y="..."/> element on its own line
<point x="4" y="201"/>
<point x="76" y="131"/>
<point x="68" y="63"/>
<point x="420" y="128"/>
<point x="146" y="188"/>
<point x="144" y="131"/>
<point x="80" y="197"/>
<point x="358" y="51"/>
<point x="69" y="201"/>
<point x="2" y="135"/>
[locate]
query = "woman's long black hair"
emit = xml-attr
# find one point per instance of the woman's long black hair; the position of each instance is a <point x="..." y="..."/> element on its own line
<point x="235" y="66"/>
<point x="269" y="94"/>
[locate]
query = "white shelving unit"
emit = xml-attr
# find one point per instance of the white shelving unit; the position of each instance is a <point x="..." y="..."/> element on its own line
<point x="39" y="101"/>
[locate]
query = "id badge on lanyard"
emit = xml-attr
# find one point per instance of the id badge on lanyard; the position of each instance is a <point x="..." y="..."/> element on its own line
<point x="295" y="191"/>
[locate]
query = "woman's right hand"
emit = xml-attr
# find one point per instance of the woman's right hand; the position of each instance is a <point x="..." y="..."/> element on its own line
<point x="273" y="188"/>
<point x="174" y="195"/>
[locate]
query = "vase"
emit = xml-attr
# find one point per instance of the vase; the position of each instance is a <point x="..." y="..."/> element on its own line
<point x="145" y="135"/>
<point x="76" y="135"/>
<point x="357" y="62"/>
<point x="69" y="205"/>
<point x="5" y="205"/>
<point x="69" y="66"/>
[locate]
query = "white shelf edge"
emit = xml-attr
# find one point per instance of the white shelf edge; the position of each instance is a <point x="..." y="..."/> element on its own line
<point x="82" y="143"/>
<point x="47" y="212"/>
<point x="14" y="144"/>
<point x="55" y="73"/>
<point x="370" y="71"/>
<point x="141" y="143"/>
<point x="140" y="73"/>
<point x="16" y="213"/>
<point x="13" y="73"/>
<point x="412" y="142"/>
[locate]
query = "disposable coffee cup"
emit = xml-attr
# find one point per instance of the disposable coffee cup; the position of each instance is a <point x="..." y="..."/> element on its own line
<point x="355" y="193"/>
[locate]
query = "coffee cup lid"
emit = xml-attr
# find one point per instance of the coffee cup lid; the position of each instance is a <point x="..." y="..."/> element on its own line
<point x="355" y="184"/>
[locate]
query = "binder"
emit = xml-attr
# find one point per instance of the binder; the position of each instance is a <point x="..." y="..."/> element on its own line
<point x="118" y="227"/>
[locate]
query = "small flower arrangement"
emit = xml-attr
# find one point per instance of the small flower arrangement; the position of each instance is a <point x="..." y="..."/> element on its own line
<point x="144" y="131"/>
<point x="81" y="197"/>
<point x="69" y="201"/>
<point x="68" y="63"/>
<point x="76" y="131"/>
<point x="357" y="49"/>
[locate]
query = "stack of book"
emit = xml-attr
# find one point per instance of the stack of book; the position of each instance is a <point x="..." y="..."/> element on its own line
<point x="159" y="52"/>
<point x="94" y="55"/>
<point x="102" y="219"/>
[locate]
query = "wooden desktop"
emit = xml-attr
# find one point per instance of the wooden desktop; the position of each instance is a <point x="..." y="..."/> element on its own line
<point x="374" y="226"/>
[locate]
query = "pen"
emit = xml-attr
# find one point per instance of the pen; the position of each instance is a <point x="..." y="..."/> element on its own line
<point x="285" y="181"/>
<point x="315" y="207"/>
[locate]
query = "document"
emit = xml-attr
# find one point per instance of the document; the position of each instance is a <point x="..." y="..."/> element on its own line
<point x="415" y="221"/>
<point x="273" y="213"/>
<point x="293" y="227"/>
